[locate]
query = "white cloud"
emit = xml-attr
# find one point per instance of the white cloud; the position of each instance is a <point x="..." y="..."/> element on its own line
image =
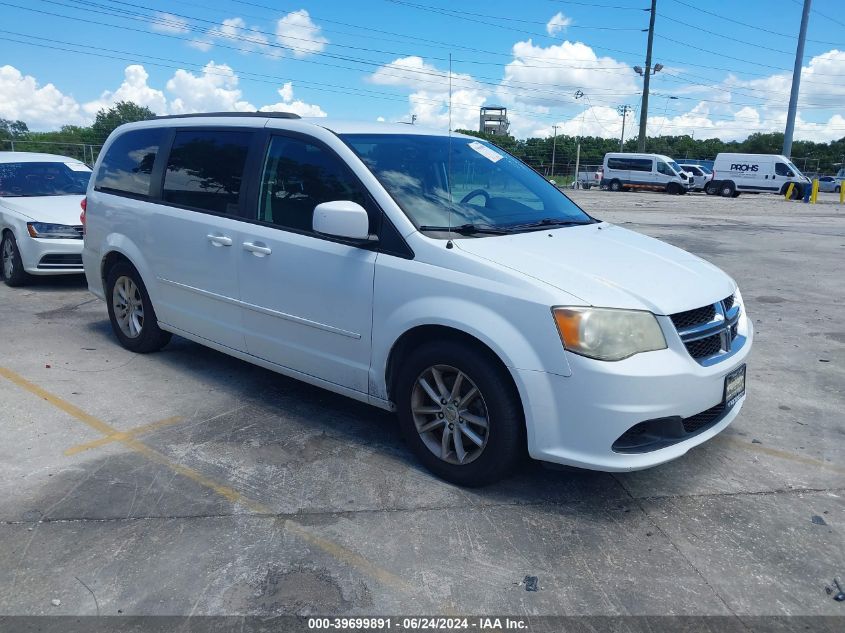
<point x="215" y="90"/>
<point x="41" y="107"/>
<point x="235" y="31"/>
<point x="430" y="97"/>
<point x="203" y="45"/>
<point x="168" y="23"/>
<point x="134" y="88"/>
<point x="558" y="23"/>
<point x="288" y="104"/>
<point x="298" y="32"/>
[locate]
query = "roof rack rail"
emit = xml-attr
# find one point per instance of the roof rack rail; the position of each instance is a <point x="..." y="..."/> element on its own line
<point x="263" y="115"/>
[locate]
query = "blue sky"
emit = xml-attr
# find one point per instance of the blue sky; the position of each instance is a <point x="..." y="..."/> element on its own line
<point x="727" y="65"/>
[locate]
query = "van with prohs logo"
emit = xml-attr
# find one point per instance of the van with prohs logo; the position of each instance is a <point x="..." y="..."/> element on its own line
<point x="756" y="173"/>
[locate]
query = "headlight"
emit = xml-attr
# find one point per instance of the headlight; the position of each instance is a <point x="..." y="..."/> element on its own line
<point x="53" y="231"/>
<point x="608" y="334"/>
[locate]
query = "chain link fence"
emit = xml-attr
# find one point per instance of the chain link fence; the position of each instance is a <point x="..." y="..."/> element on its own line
<point x="85" y="152"/>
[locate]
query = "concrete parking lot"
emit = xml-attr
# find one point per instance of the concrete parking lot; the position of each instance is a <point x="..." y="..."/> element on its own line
<point x="188" y="482"/>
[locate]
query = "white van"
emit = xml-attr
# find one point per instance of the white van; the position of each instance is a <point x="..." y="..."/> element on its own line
<point x="644" y="171"/>
<point x="435" y="276"/>
<point x="756" y="173"/>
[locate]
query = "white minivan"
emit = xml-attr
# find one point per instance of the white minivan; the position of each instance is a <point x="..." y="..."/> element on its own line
<point x="653" y="172"/>
<point x="433" y="275"/>
<point x="756" y="173"/>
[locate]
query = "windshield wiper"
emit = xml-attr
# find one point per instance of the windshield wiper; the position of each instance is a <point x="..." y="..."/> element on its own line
<point x="468" y="229"/>
<point x="547" y="222"/>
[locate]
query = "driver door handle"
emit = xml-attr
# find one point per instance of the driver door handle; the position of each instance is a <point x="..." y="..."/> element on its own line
<point x="257" y="249"/>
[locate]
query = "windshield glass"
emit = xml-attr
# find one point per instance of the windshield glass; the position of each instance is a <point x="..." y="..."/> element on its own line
<point x="794" y="169"/>
<point x="675" y="166"/>
<point x="705" y="169"/>
<point x="489" y="188"/>
<point x="42" y="179"/>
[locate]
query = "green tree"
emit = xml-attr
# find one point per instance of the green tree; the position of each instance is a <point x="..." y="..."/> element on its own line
<point x="122" y="112"/>
<point x="13" y="129"/>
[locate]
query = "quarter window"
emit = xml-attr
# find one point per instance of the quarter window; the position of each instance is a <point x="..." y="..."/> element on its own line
<point x="127" y="166"/>
<point x="299" y="175"/>
<point x="205" y="170"/>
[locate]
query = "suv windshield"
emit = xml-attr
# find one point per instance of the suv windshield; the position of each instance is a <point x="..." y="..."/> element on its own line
<point x="42" y="179"/>
<point x="475" y="186"/>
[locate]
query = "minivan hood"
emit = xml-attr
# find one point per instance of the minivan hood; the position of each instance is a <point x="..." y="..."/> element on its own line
<point x="608" y="266"/>
<point x="47" y="209"/>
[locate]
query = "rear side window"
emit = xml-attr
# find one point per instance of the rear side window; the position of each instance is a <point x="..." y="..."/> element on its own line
<point x="127" y="166"/>
<point x="205" y="169"/>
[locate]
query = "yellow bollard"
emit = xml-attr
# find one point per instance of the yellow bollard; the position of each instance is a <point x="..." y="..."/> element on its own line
<point x="842" y="192"/>
<point x="789" y="191"/>
<point x="815" y="191"/>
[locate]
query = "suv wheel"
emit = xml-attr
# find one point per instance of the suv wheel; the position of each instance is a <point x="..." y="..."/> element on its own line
<point x="131" y="313"/>
<point x="727" y="189"/>
<point x="460" y="414"/>
<point x="12" y="266"/>
<point x="615" y="185"/>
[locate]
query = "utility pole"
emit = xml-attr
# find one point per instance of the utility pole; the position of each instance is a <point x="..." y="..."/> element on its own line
<point x="646" y="77"/>
<point x="796" y="81"/>
<point x="554" y="147"/>
<point x="623" y="110"/>
<point x="578" y="95"/>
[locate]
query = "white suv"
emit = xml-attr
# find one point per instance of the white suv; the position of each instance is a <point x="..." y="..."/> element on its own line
<point x="432" y="275"/>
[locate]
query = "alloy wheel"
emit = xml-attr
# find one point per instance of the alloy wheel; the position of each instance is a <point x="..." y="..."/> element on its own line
<point x="450" y="414"/>
<point x="128" y="307"/>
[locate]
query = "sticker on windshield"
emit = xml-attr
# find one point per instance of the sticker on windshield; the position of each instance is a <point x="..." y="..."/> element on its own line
<point x="486" y="152"/>
<point x="77" y="166"/>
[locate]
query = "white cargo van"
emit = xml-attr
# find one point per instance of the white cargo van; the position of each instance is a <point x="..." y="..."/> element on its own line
<point x="644" y="171"/>
<point x="755" y="173"/>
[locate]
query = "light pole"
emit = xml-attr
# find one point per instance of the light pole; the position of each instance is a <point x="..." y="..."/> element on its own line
<point x="796" y="81"/>
<point x="646" y="75"/>
<point x="623" y="110"/>
<point x="578" y="95"/>
<point x="554" y="147"/>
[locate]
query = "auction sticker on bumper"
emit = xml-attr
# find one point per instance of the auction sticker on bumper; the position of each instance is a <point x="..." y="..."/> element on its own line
<point x="734" y="386"/>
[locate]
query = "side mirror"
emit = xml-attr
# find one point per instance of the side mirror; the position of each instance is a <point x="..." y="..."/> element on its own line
<point x="342" y="218"/>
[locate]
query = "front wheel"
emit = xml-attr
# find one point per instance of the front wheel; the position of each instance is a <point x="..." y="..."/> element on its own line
<point x="131" y="312"/>
<point x="460" y="413"/>
<point x="673" y="189"/>
<point x="615" y="185"/>
<point x="12" y="265"/>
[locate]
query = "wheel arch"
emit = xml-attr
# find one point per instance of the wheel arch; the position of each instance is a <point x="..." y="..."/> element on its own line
<point x="118" y="248"/>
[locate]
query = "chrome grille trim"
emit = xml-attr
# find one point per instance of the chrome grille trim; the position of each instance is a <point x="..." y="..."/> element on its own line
<point x="723" y="325"/>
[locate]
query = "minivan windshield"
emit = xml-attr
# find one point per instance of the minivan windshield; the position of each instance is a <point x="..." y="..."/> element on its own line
<point x="675" y="166"/>
<point x="30" y="179"/>
<point x="463" y="183"/>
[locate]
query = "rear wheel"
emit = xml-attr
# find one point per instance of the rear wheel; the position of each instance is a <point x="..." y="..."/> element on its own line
<point x="131" y="312"/>
<point x="12" y="266"/>
<point x="615" y="185"/>
<point x="727" y="189"/>
<point x="460" y="413"/>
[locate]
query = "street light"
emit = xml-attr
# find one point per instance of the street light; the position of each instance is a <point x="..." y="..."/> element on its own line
<point x="578" y="94"/>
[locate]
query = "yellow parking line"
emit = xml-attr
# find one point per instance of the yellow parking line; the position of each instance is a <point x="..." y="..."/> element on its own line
<point x="776" y="452"/>
<point x="122" y="435"/>
<point x="336" y="550"/>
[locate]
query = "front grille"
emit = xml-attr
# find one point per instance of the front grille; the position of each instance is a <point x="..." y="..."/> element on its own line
<point x="61" y="260"/>
<point x="708" y="330"/>
<point x="694" y="317"/>
<point x="704" y="347"/>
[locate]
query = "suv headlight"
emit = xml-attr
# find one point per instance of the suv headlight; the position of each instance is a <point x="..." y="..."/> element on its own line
<point x="608" y="334"/>
<point x="52" y="231"/>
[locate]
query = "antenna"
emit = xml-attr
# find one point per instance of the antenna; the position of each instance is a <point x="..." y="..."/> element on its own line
<point x="449" y="158"/>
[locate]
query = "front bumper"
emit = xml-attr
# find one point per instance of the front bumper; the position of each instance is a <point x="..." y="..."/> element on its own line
<point x="575" y="420"/>
<point x="51" y="256"/>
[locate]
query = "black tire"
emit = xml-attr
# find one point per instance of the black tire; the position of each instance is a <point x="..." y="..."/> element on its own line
<point x="711" y="189"/>
<point x="151" y="337"/>
<point x="735" y="194"/>
<point x="17" y="276"/>
<point x="614" y="185"/>
<point x="727" y="189"/>
<point x="504" y="445"/>
<point x="837" y="189"/>
<point x="673" y="189"/>
<point x="797" y="192"/>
